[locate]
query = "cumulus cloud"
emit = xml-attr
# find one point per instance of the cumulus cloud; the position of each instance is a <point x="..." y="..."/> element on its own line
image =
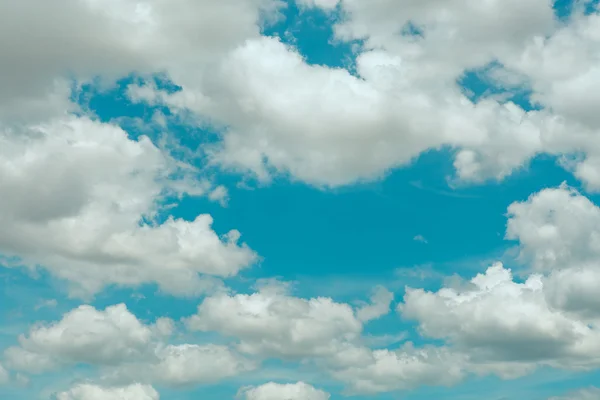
<point x="137" y="36"/>
<point x="404" y="98"/>
<point x="557" y="231"/>
<point x="325" y="142"/>
<point x="186" y="364"/>
<point x="272" y="323"/>
<point x="83" y="335"/>
<point x="373" y="371"/>
<point x="583" y="394"/>
<point x="73" y="193"/>
<point x="288" y="391"/>
<point x="404" y="101"/>
<point x="94" y="392"/>
<point x="525" y="333"/>
<point x="126" y="350"/>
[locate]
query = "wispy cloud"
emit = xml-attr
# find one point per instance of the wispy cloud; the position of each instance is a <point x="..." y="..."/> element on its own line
<point x="420" y="238"/>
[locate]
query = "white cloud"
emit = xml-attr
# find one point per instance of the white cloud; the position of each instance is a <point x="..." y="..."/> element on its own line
<point x="94" y="392"/>
<point x="359" y="128"/>
<point x="186" y="364"/>
<point x="405" y="100"/>
<point x="73" y="192"/>
<point x="556" y="228"/>
<point x="558" y="234"/>
<point x="83" y="335"/>
<point x="50" y="303"/>
<point x="137" y="36"/>
<point x="380" y="305"/>
<point x="497" y="320"/>
<point x="583" y="394"/>
<point x="457" y="33"/>
<point x="373" y="371"/>
<point x="277" y="391"/>
<point x="272" y="323"/>
<point x="4" y="376"/>
<point x="420" y="238"/>
<point x="125" y="349"/>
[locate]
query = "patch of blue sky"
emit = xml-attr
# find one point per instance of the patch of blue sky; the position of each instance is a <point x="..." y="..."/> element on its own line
<point x="310" y="31"/>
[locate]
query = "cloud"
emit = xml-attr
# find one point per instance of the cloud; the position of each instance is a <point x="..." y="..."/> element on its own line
<point x="403" y="99"/>
<point x="289" y="391"/>
<point x="73" y="193"/>
<point x="94" y="392"/>
<point x="420" y="238"/>
<point x="360" y="128"/>
<point x="526" y="332"/>
<point x="4" y="375"/>
<point x="583" y="394"/>
<point x="137" y="36"/>
<point x="368" y="371"/>
<point x="558" y="234"/>
<point x="125" y="349"/>
<point x="83" y="335"/>
<point x="186" y="364"/>
<point x="50" y="303"/>
<point x="380" y="305"/>
<point x="274" y="324"/>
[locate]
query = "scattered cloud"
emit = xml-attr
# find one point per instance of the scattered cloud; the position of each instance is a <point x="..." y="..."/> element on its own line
<point x="420" y="238"/>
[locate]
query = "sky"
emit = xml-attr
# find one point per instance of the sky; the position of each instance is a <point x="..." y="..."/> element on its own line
<point x="299" y="199"/>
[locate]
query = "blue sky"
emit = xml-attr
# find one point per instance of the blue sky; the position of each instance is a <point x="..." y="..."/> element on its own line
<point x="372" y="175"/>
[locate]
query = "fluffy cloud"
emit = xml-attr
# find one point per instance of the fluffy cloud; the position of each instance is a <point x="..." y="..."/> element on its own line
<point x="94" y="392"/>
<point x="271" y="323"/>
<point x="457" y="34"/>
<point x="72" y="195"/>
<point x="583" y="394"/>
<point x="556" y="228"/>
<point x="83" y="335"/>
<point x="126" y="349"/>
<point x="359" y="128"/>
<point x="373" y="371"/>
<point x="380" y="305"/>
<point x="526" y="332"/>
<point x="405" y="99"/>
<point x="186" y="364"/>
<point x="146" y="36"/>
<point x="290" y="391"/>
<point x="558" y="234"/>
